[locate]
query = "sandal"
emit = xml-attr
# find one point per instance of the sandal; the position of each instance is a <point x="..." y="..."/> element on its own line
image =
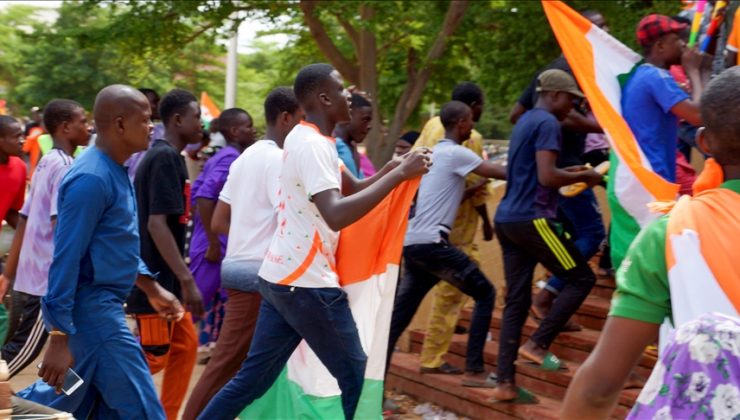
<point x="523" y="397"/>
<point x="549" y="363"/>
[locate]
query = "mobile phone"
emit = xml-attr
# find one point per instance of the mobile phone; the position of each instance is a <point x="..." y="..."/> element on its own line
<point x="72" y="381"/>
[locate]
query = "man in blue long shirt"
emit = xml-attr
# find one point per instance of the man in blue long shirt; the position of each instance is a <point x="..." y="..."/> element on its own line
<point x="96" y="263"/>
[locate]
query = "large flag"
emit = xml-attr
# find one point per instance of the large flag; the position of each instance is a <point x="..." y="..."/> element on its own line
<point x="602" y="65"/>
<point x="368" y="259"/>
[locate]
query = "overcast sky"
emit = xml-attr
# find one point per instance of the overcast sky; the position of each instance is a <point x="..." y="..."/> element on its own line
<point x="247" y="30"/>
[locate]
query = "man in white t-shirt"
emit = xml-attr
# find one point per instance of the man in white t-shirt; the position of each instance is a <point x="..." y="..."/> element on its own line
<point x="247" y="213"/>
<point x="300" y="288"/>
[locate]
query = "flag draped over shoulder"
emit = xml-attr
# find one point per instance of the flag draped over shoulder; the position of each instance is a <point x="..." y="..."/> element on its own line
<point x="368" y="258"/>
<point x="602" y="65"/>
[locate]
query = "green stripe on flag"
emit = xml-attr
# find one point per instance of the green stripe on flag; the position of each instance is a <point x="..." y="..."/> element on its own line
<point x="286" y="400"/>
<point x="624" y="228"/>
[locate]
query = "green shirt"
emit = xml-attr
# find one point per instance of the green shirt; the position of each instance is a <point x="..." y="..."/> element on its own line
<point x="643" y="291"/>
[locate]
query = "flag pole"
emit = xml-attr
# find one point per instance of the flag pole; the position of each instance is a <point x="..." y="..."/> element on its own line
<point x="232" y="62"/>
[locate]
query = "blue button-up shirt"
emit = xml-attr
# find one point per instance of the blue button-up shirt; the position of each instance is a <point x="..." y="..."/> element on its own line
<point x="96" y="244"/>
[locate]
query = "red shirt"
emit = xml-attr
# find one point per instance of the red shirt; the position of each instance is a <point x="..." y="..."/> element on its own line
<point x="13" y="182"/>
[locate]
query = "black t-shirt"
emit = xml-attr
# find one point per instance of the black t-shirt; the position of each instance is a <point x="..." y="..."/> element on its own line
<point x="574" y="143"/>
<point x="162" y="187"/>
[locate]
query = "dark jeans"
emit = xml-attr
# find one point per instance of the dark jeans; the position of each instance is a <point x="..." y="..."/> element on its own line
<point x="583" y="217"/>
<point x="524" y="244"/>
<point x="287" y="315"/>
<point x="425" y="265"/>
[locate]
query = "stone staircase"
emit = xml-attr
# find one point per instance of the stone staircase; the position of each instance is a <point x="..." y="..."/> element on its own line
<point x="548" y="387"/>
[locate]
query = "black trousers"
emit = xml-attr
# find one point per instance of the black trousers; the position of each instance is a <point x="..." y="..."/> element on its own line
<point x="524" y="244"/>
<point x="28" y="339"/>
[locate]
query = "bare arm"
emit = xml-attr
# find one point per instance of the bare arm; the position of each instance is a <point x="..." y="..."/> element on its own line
<point x="595" y="389"/>
<point x="352" y="185"/>
<point x="12" y="217"/>
<point x="730" y="58"/>
<point x="549" y="175"/>
<point x="11" y="264"/>
<point x="167" y="247"/>
<point x="205" y="211"/>
<point x="340" y="212"/>
<point x="578" y="122"/>
<point x="221" y="221"/>
<point x="688" y="110"/>
<point x="516" y="112"/>
<point x="487" y="226"/>
<point x="489" y="169"/>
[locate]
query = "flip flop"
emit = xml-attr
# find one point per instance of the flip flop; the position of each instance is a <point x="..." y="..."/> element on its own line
<point x="489" y="382"/>
<point x="549" y="363"/>
<point x="523" y="397"/>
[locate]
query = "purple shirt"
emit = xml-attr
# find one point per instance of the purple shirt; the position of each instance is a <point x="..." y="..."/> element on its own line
<point x="208" y="185"/>
<point x="40" y="206"/>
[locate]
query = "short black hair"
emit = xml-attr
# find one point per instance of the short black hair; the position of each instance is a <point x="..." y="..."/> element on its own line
<point x="174" y="102"/>
<point x="720" y="112"/>
<point x="452" y="112"/>
<point x="410" y="137"/>
<point x="149" y="91"/>
<point x="230" y="118"/>
<point x="359" y="101"/>
<point x="5" y="122"/>
<point x="279" y="100"/>
<point x="310" y="79"/>
<point x="467" y="93"/>
<point x="59" y="111"/>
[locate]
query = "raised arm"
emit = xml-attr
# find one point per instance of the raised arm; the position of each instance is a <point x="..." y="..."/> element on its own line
<point x="340" y="212"/>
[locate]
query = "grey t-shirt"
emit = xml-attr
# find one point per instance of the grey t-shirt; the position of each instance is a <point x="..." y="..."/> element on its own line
<point x="440" y="192"/>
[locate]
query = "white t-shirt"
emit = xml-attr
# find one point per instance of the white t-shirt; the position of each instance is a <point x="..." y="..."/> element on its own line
<point x="302" y="251"/>
<point x="252" y="192"/>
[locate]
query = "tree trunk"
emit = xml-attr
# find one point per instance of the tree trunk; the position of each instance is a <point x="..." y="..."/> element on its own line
<point x="368" y="62"/>
<point x="418" y="79"/>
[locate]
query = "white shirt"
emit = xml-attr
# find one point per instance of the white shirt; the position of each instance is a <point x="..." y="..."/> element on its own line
<point x="252" y="192"/>
<point x="302" y="251"/>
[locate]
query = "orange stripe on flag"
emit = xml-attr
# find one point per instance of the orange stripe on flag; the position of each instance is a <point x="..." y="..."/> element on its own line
<point x="315" y="249"/>
<point x="368" y="246"/>
<point x="570" y="29"/>
<point x="205" y="101"/>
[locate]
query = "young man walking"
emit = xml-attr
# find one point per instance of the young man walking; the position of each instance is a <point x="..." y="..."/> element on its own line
<point x="247" y="212"/>
<point x="299" y="286"/>
<point x="163" y="198"/>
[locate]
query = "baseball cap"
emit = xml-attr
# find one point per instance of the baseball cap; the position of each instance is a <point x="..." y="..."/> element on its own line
<point x="555" y="80"/>
<point x="652" y="27"/>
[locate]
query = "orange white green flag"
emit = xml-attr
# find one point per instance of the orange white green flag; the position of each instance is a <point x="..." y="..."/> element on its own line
<point x="602" y="65"/>
<point x="208" y="109"/>
<point x="367" y="261"/>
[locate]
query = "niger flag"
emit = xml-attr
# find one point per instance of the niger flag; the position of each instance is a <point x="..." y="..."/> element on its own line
<point x="602" y="65"/>
<point x="368" y="258"/>
<point x="208" y="109"/>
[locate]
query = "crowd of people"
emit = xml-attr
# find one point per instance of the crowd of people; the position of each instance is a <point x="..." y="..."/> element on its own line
<point x="237" y="258"/>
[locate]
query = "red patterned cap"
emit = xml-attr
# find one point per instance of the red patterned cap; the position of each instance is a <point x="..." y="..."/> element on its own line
<point x="652" y="27"/>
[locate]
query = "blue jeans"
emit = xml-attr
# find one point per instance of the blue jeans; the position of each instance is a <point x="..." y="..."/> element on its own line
<point x="585" y="222"/>
<point x="425" y="265"/>
<point x="287" y="315"/>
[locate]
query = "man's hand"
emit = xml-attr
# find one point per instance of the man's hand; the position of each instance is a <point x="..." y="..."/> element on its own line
<point x="166" y="304"/>
<point x="57" y="360"/>
<point x="473" y="189"/>
<point x="192" y="298"/>
<point x="593" y="178"/>
<point x="4" y="286"/>
<point x="577" y="168"/>
<point x="416" y="163"/>
<point x="691" y="60"/>
<point x="213" y="253"/>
